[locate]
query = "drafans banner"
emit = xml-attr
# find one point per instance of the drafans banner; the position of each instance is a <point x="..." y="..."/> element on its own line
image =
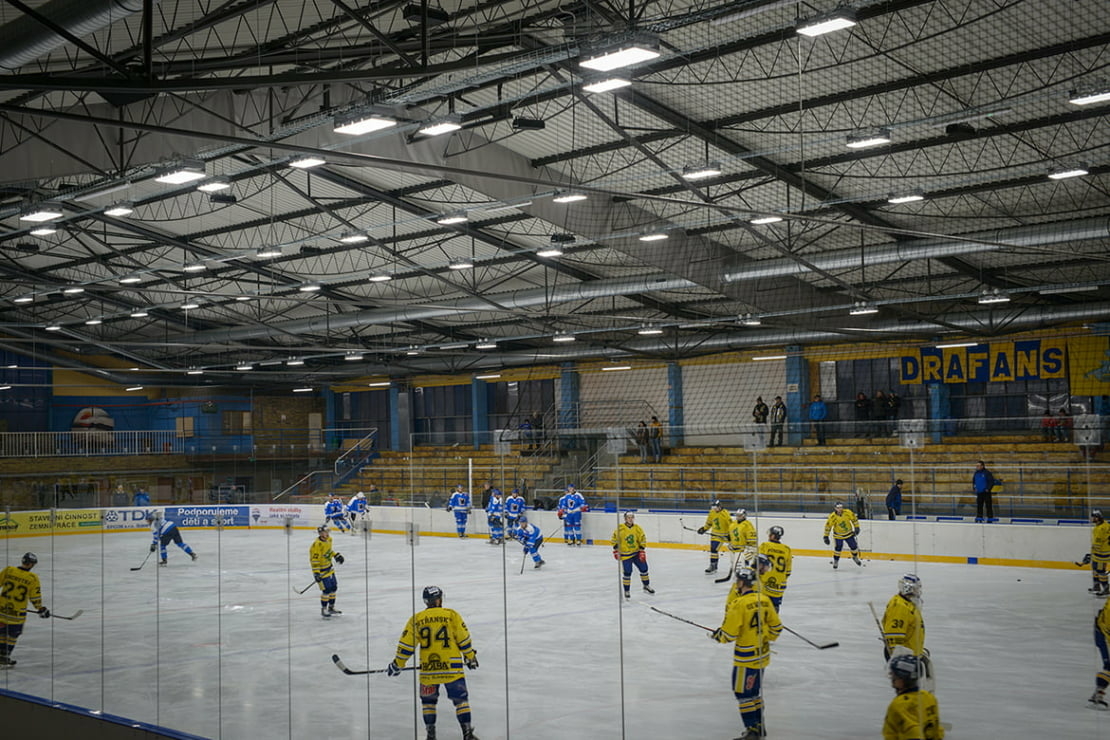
<point x="1033" y="359"/>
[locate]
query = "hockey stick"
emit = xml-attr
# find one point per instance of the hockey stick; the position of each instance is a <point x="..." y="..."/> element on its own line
<point x="341" y="666"/>
<point x="144" y="561"/>
<point x="824" y="646"/>
<point x="75" y="614"/>
<point x="731" y="569"/>
<point x="306" y="587"/>
<point x="688" y="529"/>
<point x="680" y="619"/>
<point x="878" y="622"/>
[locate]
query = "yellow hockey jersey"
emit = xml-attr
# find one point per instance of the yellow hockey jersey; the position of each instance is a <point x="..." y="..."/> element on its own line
<point x="444" y="643"/>
<point x="1102" y="621"/>
<point x="17" y="587"/>
<point x="903" y="625"/>
<point x="842" y="525"/>
<point x="742" y="535"/>
<point x="1100" y="543"/>
<point x="773" y="581"/>
<point x="320" y="556"/>
<point x="913" y="715"/>
<point x="752" y="623"/>
<point x="718" y="523"/>
<point x="629" y="540"/>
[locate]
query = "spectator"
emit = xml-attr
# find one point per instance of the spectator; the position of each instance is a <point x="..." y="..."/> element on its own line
<point x="982" y="481"/>
<point x="893" y="408"/>
<point x="142" y="498"/>
<point x="1048" y="426"/>
<point x="863" y="415"/>
<point x="526" y="433"/>
<point x="778" y="420"/>
<point x="642" y="441"/>
<point x="894" y="500"/>
<point x="655" y="435"/>
<point x="759" y="417"/>
<point x="1063" y="425"/>
<point x="818" y="412"/>
<point x="878" y="415"/>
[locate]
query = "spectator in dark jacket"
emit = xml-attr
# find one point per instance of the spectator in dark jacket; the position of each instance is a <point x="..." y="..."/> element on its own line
<point x="982" y="481"/>
<point x="894" y="500"/>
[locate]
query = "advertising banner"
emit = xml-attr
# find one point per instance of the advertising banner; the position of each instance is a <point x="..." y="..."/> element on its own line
<point x="61" y="521"/>
<point x="273" y="515"/>
<point x="209" y="516"/>
<point x="126" y="518"/>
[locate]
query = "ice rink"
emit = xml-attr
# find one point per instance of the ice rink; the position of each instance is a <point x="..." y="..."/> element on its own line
<point x="225" y="648"/>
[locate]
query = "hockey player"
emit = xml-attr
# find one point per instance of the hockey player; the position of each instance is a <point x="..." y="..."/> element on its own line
<point x="18" y="585"/>
<point x="742" y="539"/>
<point x="334" y="513"/>
<point x="164" y="532"/>
<point x="320" y="555"/>
<point x="629" y="543"/>
<point x="717" y="523"/>
<point x="1099" y="556"/>
<point x="844" y="527"/>
<point x="460" y="504"/>
<point x="356" y="510"/>
<point x="495" y="509"/>
<point x="903" y="624"/>
<point x="571" y="505"/>
<point x="762" y="566"/>
<point x="752" y="623"/>
<point x="531" y="539"/>
<point x="514" y="507"/>
<point x="1102" y="678"/>
<point x="444" y="643"/>
<point x="913" y="714"/>
<point x="773" y="581"/>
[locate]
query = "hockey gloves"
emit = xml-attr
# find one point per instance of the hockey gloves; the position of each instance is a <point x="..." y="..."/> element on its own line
<point x="642" y="556"/>
<point x="153" y="547"/>
<point x="701" y="530"/>
<point x="718" y="635"/>
<point x="1087" y="559"/>
<point x="826" y="539"/>
<point x="339" y="558"/>
<point x="449" y="508"/>
<point x="855" y="532"/>
<point x="561" y="513"/>
<point x="472" y="662"/>
<point x="393" y="669"/>
<point x="616" y="555"/>
<point x="44" y="612"/>
<point x="585" y="508"/>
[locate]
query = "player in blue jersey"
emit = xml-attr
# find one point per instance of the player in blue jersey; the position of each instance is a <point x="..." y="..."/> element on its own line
<point x="356" y="509"/>
<point x="571" y="505"/>
<point x="335" y="513"/>
<point x="531" y="538"/>
<point x="460" y="504"/>
<point x="514" y="507"/>
<point x="495" y="509"/>
<point x="164" y="532"/>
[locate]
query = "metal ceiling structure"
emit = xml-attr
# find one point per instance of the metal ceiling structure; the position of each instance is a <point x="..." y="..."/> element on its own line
<point x="347" y="267"/>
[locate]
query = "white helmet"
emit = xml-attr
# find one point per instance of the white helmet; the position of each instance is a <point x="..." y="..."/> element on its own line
<point x="741" y="514"/>
<point x="909" y="586"/>
<point x="361" y="494"/>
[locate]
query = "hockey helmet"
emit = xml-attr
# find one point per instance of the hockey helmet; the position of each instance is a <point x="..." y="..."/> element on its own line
<point x="153" y="516"/>
<point x="522" y="519"/>
<point x="1096" y="514"/>
<point x="30" y="558"/>
<point x="745" y="573"/>
<point x="322" y="529"/>
<point x="775" y="533"/>
<point x="516" y="490"/>
<point x="839" y="506"/>
<point x="716" y="504"/>
<point x="628" y="515"/>
<point x="762" y="563"/>
<point x="360" y="494"/>
<point x="905" y="666"/>
<point x="433" y="595"/>
<point x="741" y="514"/>
<point x="909" y="585"/>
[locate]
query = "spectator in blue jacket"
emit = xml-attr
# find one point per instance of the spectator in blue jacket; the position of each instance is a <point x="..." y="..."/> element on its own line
<point x="818" y="412"/>
<point x="982" y="481"/>
<point x="894" y="500"/>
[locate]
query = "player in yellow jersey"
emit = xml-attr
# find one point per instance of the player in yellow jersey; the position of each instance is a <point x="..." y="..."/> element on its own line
<point x="445" y="647"/>
<point x="913" y="714"/>
<point x="629" y="543"/>
<point x="18" y="585"/>
<point x="752" y="624"/>
<point x="742" y="538"/>
<point x="903" y="624"/>
<point x="773" y="580"/>
<point x="320" y="556"/>
<point x="844" y="526"/>
<point x="1102" y="679"/>
<point x="718" y="524"/>
<point x="1099" y="557"/>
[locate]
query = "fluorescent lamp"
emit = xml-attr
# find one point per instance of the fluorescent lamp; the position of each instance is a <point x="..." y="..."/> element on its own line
<point x="993" y="297"/>
<point x="380" y="384"/>
<point x="625" y="56"/>
<point x="550" y="251"/>
<point x="611" y="83"/>
<point x="135" y="388"/>
<point x="130" y="280"/>
<point x="244" y="366"/>
<point x="242" y="298"/>
<point x="215" y="185"/>
<point x="563" y="337"/>
<point x="189" y="305"/>
<point x="24" y="299"/>
<point x="491" y="376"/>
<point x="381" y="277"/>
<point x="1089" y="97"/>
<point x="862" y="309"/>
<point x="5" y="387"/>
<point x="179" y="174"/>
<point x="906" y="198"/>
<point x="38" y="214"/>
<point x="412" y="351"/>
<point x="53" y="327"/>
<point x="701" y="171"/>
<point x="139" y="314"/>
<point x="304" y="163"/>
<point x="355" y="237"/>
<point x="454" y="346"/>
<point x="73" y="290"/>
<point x="43" y="231"/>
<point x="119" y="210"/>
<point x="648" y="331"/>
<point x="93" y="322"/>
<point x="438" y="128"/>
<point x="195" y="267"/>
<point x="760" y="220"/>
<point x="956" y="345"/>
<point x="353" y="356"/>
<point x="864" y="141"/>
<point x="1068" y="289"/>
<point x="763" y="358"/>
<point x="562" y="197"/>
<point x="358" y="125"/>
<point x="613" y="368"/>
<point x="302" y="390"/>
<point x="657" y="236"/>
<point x="836" y="20"/>
<point x="460" y="264"/>
<point x="1064" y="174"/>
<point x="310" y="288"/>
<point x="294" y="362"/>
<point x="267" y="252"/>
<point x="749" y="320"/>
<point x="452" y="218"/>
<point x="485" y="344"/>
<point x="194" y="371"/>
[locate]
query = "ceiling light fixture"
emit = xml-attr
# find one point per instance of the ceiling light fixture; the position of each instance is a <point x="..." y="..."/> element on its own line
<point x="358" y="124"/>
<point x="24" y="299"/>
<point x="701" y="171"/>
<point x="294" y="362"/>
<point x="130" y="280"/>
<point x="1088" y="97"/>
<point x="244" y="366"/>
<point x="139" y="314"/>
<point x="188" y="170"/>
<point x="268" y="252"/>
<point x="1068" y="172"/>
<point x="355" y="237"/>
<point x="562" y="196"/>
<point x="486" y="344"/>
<point x="119" y="210"/>
<point x="606" y="85"/>
<point x="306" y="162"/>
<point x="993" y="296"/>
<point x="764" y="358"/>
<point x="613" y="368"/>
<point x="93" y="322"/>
<point x="189" y="305"/>
<point x="454" y="346"/>
<point x="1057" y="290"/>
<point x="215" y="185"/>
<point x="243" y="298"/>
<point x="528" y="124"/>
<point x="53" y="327"/>
<point x="73" y="290"/>
<point x="760" y="220"/>
<point x="380" y="384"/>
<point x="623" y="56"/>
<point x="865" y="140"/>
<point x="310" y="288"/>
<point x="654" y="236"/>
<point x="440" y="127"/>
<point x="956" y="345"/>
<point x="550" y="251"/>
<point x="491" y="376"/>
<point x="43" y="231"/>
<point x="906" y="198"/>
<point x="135" y="388"/>
<point x="302" y="390"/>
<point x="749" y="320"/>
<point x="460" y="264"/>
<point x="862" y="308"/>
<point x="194" y="371"/>
<point x="819" y="25"/>
<point x="41" y="213"/>
<point x="380" y="277"/>
<point x="563" y="337"/>
<point x="353" y="356"/>
<point x="5" y="387"/>
<point x="649" y="331"/>
<point x="195" y="267"/>
<point x="452" y="218"/>
<point x="412" y="351"/>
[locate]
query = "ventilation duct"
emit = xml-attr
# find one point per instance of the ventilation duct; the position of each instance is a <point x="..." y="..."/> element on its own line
<point x="25" y="39"/>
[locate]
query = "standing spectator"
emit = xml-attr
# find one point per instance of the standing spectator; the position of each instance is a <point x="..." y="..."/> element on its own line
<point x="537" y="429"/>
<point x="142" y="498"/>
<point x="778" y="420"/>
<point x="460" y="504"/>
<point x="878" y="415"/>
<point x="514" y="507"/>
<point x="164" y="531"/>
<point x="356" y="510"/>
<point x="752" y="624"/>
<point x="571" y="506"/>
<point x="1063" y="425"/>
<point x="844" y="527"/>
<point x="893" y="408"/>
<point x="495" y="509"/>
<point x="1102" y="678"/>
<point x="655" y="435"/>
<point x="320" y="555"/>
<point x="759" y="417"/>
<point x="531" y="538"/>
<point x="18" y="585"/>
<point x="913" y="714"/>
<point x="894" y="500"/>
<point x="629" y="543"/>
<point x="863" y="415"/>
<point x="334" y="513"/>
<point x="642" y="442"/>
<point x="1048" y="426"/>
<point x="718" y="524"/>
<point x="526" y="437"/>
<point x="1099" y="557"/>
<point x="982" y="481"/>
<point x="444" y="643"/>
<point x="903" y="625"/>
<point x="781" y="559"/>
<point x="818" y="412"/>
